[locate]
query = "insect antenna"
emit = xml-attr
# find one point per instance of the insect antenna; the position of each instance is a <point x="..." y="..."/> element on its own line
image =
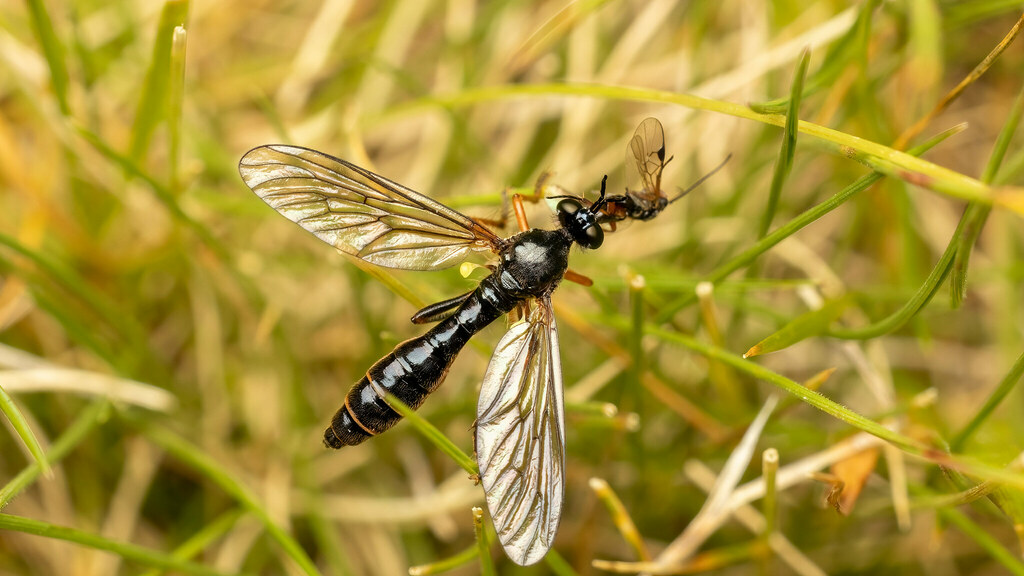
<point x="601" y="200"/>
<point x="701" y="180"/>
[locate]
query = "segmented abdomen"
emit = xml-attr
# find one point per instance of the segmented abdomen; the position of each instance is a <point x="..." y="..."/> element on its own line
<point x="414" y="369"/>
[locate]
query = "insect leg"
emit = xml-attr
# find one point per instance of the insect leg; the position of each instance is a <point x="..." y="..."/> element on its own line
<point x="439" y="310"/>
<point x="577" y="278"/>
<point x="517" y="204"/>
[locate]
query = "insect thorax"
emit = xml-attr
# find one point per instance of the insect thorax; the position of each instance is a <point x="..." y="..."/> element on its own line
<point x="534" y="262"/>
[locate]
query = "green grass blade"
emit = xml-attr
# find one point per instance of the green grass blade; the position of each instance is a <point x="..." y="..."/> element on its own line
<point x="918" y="301"/>
<point x="123" y="549"/>
<point x="198" y="542"/>
<point x="163" y="194"/>
<point x="23" y="430"/>
<point x="746" y="257"/>
<point x="53" y="50"/>
<point x="909" y="445"/>
<point x="193" y="456"/>
<point x="103" y="307"/>
<point x="483" y="543"/>
<point x="983" y="539"/>
<point x="1006" y="385"/>
<point x="784" y="163"/>
<point x="436" y="437"/>
<point x="90" y="418"/>
<point x="448" y="564"/>
<point x="153" y="98"/>
<point x="558" y="565"/>
<point x="175" y="97"/>
<point x="804" y="326"/>
<point x="878" y="157"/>
<point x="977" y="214"/>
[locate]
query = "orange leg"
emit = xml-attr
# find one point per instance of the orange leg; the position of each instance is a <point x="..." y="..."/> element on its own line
<point x="577" y="278"/>
<point x="517" y="205"/>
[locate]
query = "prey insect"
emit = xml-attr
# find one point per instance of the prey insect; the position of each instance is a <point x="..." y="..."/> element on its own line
<point x="520" y="436"/>
<point x="645" y="155"/>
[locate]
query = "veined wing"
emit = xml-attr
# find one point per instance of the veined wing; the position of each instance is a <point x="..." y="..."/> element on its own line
<point x="646" y="152"/>
<point x="362" y="213"/>
<point x="520" y="438"/>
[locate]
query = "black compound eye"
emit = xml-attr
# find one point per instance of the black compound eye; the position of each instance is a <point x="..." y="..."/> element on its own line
<point x="595" y="236"/>
<point x="568" y="207"/>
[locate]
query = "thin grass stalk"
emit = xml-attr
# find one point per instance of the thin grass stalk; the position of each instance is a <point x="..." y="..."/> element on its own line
<point x="729" y="389"/>
<point x="769" y="468"/>
<point x="704" y="562"/>
<point x="836" y="410"/>
<point x="747" y="515"/>
<point x="620" y="516"/>
<point x="1010" y="561"/>
<point x="431" y="433"/>
<point x="24" y="431"/>
<point x="809" y="216"/>
<point x="1006" y="385"/>
<point x="784" y="162"/>
<point x="175" y="98"/>
<point x="53" y="51"/>
<point x="152" y="97"/>
<point x="955" y="93"/>
<point x="162" y="193"/>
<point x="125" y="550"/>
<point x="483" y="544"/>
<point x="89" y="419"/>
<point x="101" y="305"/>
<point x="213" y="470"/>
<point x="205" y="536"/>
<point x="878" y="157"/>
<point x="919" y="300"/>
<point x="975" y="215"/>
<point x="448" y="564"/>
<point x="558" y="565"/>
<point x="637" y="288"/>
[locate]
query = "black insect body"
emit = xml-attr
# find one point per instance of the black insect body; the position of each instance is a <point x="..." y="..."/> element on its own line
<point x="530" y="266"/>
<point x="520" y="423"/>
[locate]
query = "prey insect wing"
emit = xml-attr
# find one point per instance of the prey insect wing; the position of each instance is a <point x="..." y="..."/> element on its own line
<point x="362" y="213"/>
<point x="520" y="436"/>
<point x="646" y="153"/>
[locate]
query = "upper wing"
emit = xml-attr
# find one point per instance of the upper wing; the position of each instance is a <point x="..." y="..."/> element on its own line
<point x="646" y="152"/>
<point x="520" y="436"/>
<point x="362" y="213"/>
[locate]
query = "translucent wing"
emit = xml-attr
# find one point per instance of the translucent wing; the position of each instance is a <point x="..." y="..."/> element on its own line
<point x="362" y="213"/>
<point x="520" y="439"/>
<point x="646" y="153"/>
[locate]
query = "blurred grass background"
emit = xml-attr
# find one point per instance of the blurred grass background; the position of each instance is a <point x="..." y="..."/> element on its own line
<point x="176" y="349"/>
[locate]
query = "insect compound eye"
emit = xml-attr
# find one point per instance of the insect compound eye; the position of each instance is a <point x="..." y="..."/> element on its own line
<point x="567" y="210"/>
<point x="595" y="236"/>
<point x="582" y="224"/>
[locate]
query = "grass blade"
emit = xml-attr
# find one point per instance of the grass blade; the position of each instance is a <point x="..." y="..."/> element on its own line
<point x="1006" y="385"/>
<point x="436" y="437"/>
<point x="79" y="429"/>
<point x="23" y="430"/>
<point x="746" y="257"/>
<point x="804" y="326"/>
<point x="784" y="163"/>
<point x="153" y="98"/>
<point x="483" y="544"/>
<point x="191" y="455"/>
<point x="878" y="157"/>
<point x="91" y="540"/>
<point x="977" y="214"/>
<point x="42" y="26"/>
